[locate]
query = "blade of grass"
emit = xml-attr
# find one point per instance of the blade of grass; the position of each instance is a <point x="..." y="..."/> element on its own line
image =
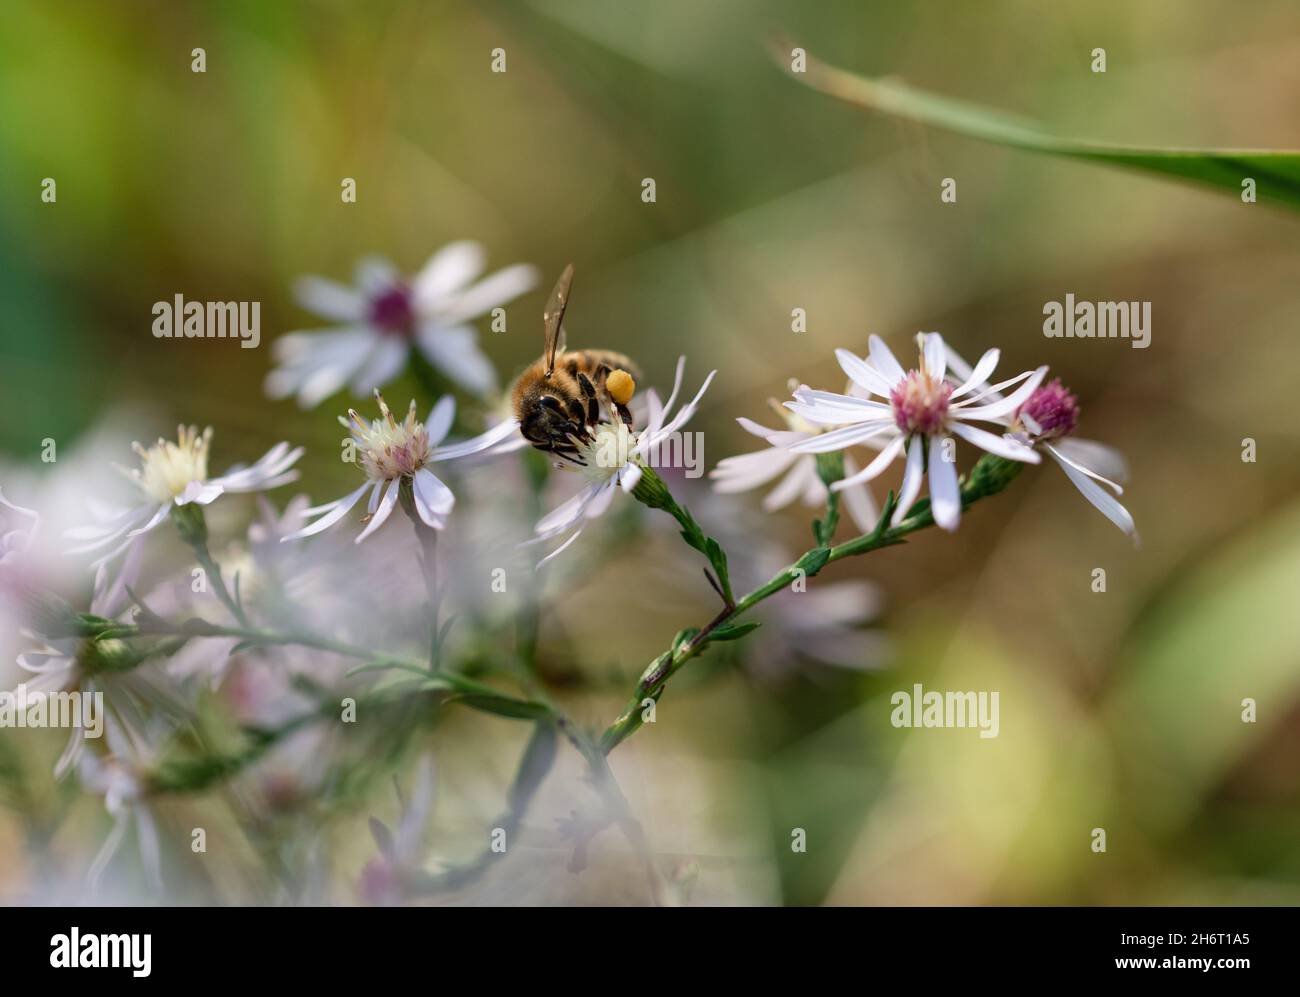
<point x="1276" y="172"/>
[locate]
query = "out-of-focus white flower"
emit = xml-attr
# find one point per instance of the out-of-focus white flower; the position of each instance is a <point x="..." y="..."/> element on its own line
<point x="120" y="777"/>
<point x="176" y="474"/>
<point x="391" y="452"/>
<point x="920" y="411"/>
<point x="611" y="456"/>
<point x="797" y="471"/>
<point x="73" y="663"/>
<point x="384" y="314"/>
<point x="17" y="529"/>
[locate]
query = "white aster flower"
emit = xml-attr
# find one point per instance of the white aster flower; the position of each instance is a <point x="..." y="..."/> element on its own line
<point x="392" y="452"/>
<point x="611" y="456"/>
<point x="797" y="471"/>
<point x="1047" y="421"/>
<point x="171" y="475"/>
<point x="17" y="529"/>
<point x="384" y="314"/>
<point x="61" y="664"/>
<point x="921" y="410"/>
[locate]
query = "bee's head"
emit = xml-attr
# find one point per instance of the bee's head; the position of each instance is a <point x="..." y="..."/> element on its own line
<point x="549" y="423"/>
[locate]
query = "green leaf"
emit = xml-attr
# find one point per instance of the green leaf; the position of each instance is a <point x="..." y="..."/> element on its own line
<point x="538" y="758"/>
<point x="1275" y="171"/>
<point x="813" y="561"/>
<point x="683" y="636"/>
<point x="734" y="631"/>
<point x="384" y="666"/>
<point x="504" y="706"/>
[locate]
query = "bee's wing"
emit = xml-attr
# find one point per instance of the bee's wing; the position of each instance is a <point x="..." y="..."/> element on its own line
<point x="554" y="316"/>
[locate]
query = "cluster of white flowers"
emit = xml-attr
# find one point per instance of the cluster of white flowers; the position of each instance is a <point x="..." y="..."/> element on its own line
<point x="913" y="415"/>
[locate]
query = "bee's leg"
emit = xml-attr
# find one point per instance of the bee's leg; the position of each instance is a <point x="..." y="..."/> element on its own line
<point x="593" y="402"/>
<point x="624" y="414"/>
<point x="577" y="411"/>
<point x="564" y="449"/>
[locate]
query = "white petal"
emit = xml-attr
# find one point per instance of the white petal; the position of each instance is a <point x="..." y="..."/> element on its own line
<point x="433" y="499"/>
<point x="936" y="359"/>
<point x="859" y="501"/>
<point x="1104" y="461"/>
<point x="745" y="471"/>
<point x="850" y="403"/>
<point x="560" y="549"/>
<point x="975" y="378"/>
<point x="677" y="384"/>
<point x="161" y="514"/>
<point x="448" y="270"/>
<point x="1003" y="446"/>
<point x="387" y="359"/>
<point x="374" y="275"/>
<point x="200" y="493"/>
<point x="381" y="514"/>
<point x="1004" y="406"/>
<point x="266" y="473"/>
<point x="499" y="434"/>
<point x="884" y="361"/>
<point x="912" y="477"/>
<point x="831" y="415"/>
<point x="329" y="299"/>
<point x="654" y="413"/>
<point x="566" y="514"/>
<point x="336" y="512"/>
<point x="1062" y="458"/>
<point x="862" y="373"/>
<point x="945" y="496"/>
<point x="793" y="485"/>
<point x="872" y="470"/>
<point x="755" y="429"/>
<point x="453" y="349"/>
<point x="601" y="500"/>
<point x="847" y="436"/>
<point x="440" y="419"/>
<point x="681" y="418"/>
<point x="1105" y="503"/>
<point x="630" y="477"/>
<point x="491" y="292"/>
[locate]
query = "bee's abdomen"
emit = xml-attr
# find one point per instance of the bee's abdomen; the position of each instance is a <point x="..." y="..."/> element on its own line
<point x="590" y="361"/>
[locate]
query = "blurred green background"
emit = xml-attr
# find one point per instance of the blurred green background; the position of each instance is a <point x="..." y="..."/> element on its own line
<point x="1118" y="710"/>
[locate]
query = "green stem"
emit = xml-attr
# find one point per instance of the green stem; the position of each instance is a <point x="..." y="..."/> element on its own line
<point x="428" y="538"/>
<point x="193" y="529"/>
<point x="651" y="491"/>
<point x="989" y="476"/>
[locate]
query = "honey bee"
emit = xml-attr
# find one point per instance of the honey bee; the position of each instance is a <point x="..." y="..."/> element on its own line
<point x="562" y="396"/>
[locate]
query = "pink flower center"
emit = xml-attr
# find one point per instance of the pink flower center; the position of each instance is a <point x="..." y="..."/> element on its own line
<point x="1051" y="411"/>
<point x="393" y="312"/>
<point x="920" y="403"/>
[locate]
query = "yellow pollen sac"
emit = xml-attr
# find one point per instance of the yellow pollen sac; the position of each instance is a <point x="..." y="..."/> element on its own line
<point x="620" y="386"/>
